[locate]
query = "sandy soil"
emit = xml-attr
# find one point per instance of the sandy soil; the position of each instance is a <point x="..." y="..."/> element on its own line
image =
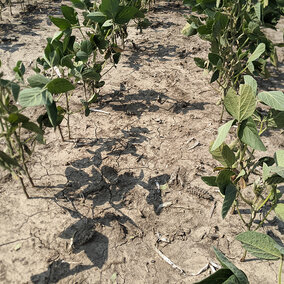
<point x="111" y="179"/>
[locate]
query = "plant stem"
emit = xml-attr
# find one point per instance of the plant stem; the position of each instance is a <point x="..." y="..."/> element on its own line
<point x="60" y="132"/>
<point x="22" y="154"/>
<point x="280" y="269"/>
<point x="68" y="115"/>
<point x="24" y="187"/>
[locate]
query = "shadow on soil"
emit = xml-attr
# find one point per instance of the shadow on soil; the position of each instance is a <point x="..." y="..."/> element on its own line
<point x="24" y="23"/>
<point x="103" y="185"/>
<point x="146" y="101"/>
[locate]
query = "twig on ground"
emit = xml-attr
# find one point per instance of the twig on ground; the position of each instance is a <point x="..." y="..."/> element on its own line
<point x="99" y="110"/>
<point x="166" y="259"/>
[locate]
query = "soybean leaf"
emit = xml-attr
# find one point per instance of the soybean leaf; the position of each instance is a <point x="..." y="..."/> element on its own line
<point x="59" y="85"/>
<point x="257" y="53"/>
<point x="69" y="14"/>
<point x="214" y="58"/>
<point x="8" y="160"/>
<point x="97" y="17"/>
<point x="249" y="80"/>
<point x="279" y="211"/>
<point x="61" y="23"/>
<point x="215" y="76"/>
<point x="108" y="23"/>
<point x="15" y="118"/>
<point x="218" y="277"/>
<point x="109" y="8"/>
<point x="34" y="97"/>
<point x="224" y="155"/>
<point x="279" y="157"/>
<point x="87" y="47"/>
<point x="199" y="62"/>
<point x="52" y="113"/>
<point x="126" y="14"/>
<point x="82" y="55"/>
<point x="274" y="99"/>
<point x="278" y="170"/>
<point x="224" y="179"/>
<point x="249" y="135"/>
<point x="265" y="172"/>
<point x="66" y="61"/>
<point x="277" y="119"/>
<point x="230" y="196"/>
<point x="240" y="275"/>
<point x="38" y="80"/>
<point x="15" y="90"/>
<point x="222" y="133"/>
<point x="78" y="4"/>
<point x="259" y="245"/>
<point x="210" y="180"/>
<point x="280" y="248"/>
<point x="32" y="127"/>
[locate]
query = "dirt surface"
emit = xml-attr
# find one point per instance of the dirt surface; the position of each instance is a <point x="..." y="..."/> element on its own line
<point x="127" y="185"/>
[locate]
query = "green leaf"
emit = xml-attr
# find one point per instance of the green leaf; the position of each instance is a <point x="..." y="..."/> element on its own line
<point x="126" y="14"/>
<point x="249" y="135"/>
<point x="78" y="4"/>
<point x="249" y="80"/>
<point x="224" y="155"/>
<point x="279" y="211"/>
<point x="38" y="80"/>
<point x="8" y="160"/>
<point x="274" y="99"/>
<point x="82" y="55"/>
<point x="265" y="172"/>
<point x="230" y="196"/>
<point x="277" y="119"/>
<point x="59" y="85"/>
<point x="52" y="113"/>
<point x="242" y="278"/>
<point x="61" y="23"/>
<point x="215" y="76"/>
<point x="277" y="170"/>
<point x="218" y="277"/>
<point x="199" y="62"/>
<point x="224" y="179"/>
<point x="189" y="29"/>
<point x="210" y="180"/>
<point x="259" y="245"/>
<point x="97" y="17"/>
<point x="67" y="61"/>
<point x="257" y="53"/>
<point x="222" y="134"/>
<point x="15" y="118"/>
<point x="109" y="8"/>
<point x="108" y="24"/>
<point x="69" y="14"/>
<point x="32" y="127"/>
<point x="34" y="97"/>
<point x="87" y="46"/>
<point x="279" y="158"/>
<point x="15" y="90"/>
<point x="214" y="58"/>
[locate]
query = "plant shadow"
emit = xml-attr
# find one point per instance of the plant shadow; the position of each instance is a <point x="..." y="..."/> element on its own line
<point x="89" y="180"/>
<point x="146" y="101"/>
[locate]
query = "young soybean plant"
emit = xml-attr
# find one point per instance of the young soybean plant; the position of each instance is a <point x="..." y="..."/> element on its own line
<point x="259" y="245"/>
<point x="18" y="134"/>
<point x="242" y="179"/>
<point x="238" y="46"/>
<point x="82" y="56"/>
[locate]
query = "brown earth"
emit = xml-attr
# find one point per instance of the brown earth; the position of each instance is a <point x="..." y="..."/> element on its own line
<point x="112" y="179"/>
